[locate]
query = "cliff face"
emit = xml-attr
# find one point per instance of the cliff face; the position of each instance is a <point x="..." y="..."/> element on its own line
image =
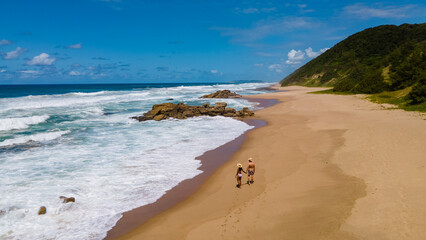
<point x="383" y="58"/>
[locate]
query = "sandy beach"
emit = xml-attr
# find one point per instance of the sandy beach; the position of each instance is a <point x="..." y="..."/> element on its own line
<point x="327" y="167"/>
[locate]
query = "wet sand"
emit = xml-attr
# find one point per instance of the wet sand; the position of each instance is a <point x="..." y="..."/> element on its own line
<point x="210" y="161"/>
<point x="327" y="167"/>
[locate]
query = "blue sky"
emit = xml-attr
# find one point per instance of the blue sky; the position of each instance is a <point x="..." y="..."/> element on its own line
<point x="118" y="41"/>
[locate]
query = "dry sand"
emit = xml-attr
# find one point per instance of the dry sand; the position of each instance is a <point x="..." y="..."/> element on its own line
<point x="327" y="167"/>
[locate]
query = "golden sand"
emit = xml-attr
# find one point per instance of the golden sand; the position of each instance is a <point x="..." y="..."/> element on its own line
<point x="327" y="167"/>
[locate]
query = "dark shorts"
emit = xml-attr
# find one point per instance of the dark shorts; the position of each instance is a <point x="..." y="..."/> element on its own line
<point x="250" y="172"/>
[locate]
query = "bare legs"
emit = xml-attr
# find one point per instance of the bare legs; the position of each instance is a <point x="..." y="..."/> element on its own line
<point x="250" y="179"/>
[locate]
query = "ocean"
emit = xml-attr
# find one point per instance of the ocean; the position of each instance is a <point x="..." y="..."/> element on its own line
<point x="79" y="141"/>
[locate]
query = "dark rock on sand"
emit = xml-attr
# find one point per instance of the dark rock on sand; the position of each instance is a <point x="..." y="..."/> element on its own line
<point x="67" y="199"/>
<point x="42" y="210"/>
<point x="222" y="94"/>
<point x="183" y="111"/>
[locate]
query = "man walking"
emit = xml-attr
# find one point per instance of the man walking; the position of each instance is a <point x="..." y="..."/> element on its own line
<point x="250" y="171"/>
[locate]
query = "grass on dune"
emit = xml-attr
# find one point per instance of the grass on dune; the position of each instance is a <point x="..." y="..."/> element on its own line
<point x="397" y="98"/>
<point x="330" y="91"/>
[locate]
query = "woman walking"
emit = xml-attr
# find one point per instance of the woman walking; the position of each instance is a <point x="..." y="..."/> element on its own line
<point x="239" y="174"/>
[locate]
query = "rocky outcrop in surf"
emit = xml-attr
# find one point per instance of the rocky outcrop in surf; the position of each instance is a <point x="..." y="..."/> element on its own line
<point x="67" y="199"/>
<point x="222" y="94"/>
<point x="183" y="111"/>
<point x="42" y="210"/>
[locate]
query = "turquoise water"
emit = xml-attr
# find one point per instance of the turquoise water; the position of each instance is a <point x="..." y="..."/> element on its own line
<point x="79" y="141"/>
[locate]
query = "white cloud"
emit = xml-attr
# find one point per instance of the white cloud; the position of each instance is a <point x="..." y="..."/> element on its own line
<point x="97" y="75"/>
<point x="42" y="59"/>
<point x="266" y="28"/>
<point x="335" y="37"/>
<point x="29" y="71"/>
<point x="264" y="54"/>
<point x="74" y="73"/>
<point x="76" y="65"/>
<point x="276" y="67"/>
<point x="14" y="54"/>
<point x="366" y="12"/>
<point x="74" y="46"/>
<point x="214" y="72"/>
<point x="313" y="54"/>
<point x="258" y="64"/>
<point x="5" y="42"/>
<point x="2" y="70"/>
<point x="268" y="10"/>
<point x="295" y="57"/>
<point x="252" y="10"/>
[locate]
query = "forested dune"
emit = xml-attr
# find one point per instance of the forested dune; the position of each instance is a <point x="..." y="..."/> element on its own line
<point x="383" y="58"/>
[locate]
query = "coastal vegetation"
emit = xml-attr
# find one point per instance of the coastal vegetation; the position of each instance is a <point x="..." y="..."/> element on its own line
<point x="387" y="61"/>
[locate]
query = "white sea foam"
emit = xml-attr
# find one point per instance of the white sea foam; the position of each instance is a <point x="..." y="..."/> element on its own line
<point x="96" y="98"/>
<point x="89" y="93"/>
<point x="7" y="124"/>
<point x="67" y="100"/>
<point x="40" y="137"/>
<point x="110" y="163"/>
<point x="117" y="169"/>
<point x="37" y="102"/>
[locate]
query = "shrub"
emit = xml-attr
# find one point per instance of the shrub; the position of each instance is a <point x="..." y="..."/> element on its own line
<point x="418" y="93"/>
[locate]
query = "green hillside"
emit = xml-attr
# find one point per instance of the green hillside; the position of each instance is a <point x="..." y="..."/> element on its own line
<point x="383" y="58"/>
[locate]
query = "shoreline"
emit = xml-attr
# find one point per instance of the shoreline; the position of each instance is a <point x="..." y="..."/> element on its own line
<point x="218" y="210"/>
<point x="209" y="164"/>
<point x="327" y="167"/>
